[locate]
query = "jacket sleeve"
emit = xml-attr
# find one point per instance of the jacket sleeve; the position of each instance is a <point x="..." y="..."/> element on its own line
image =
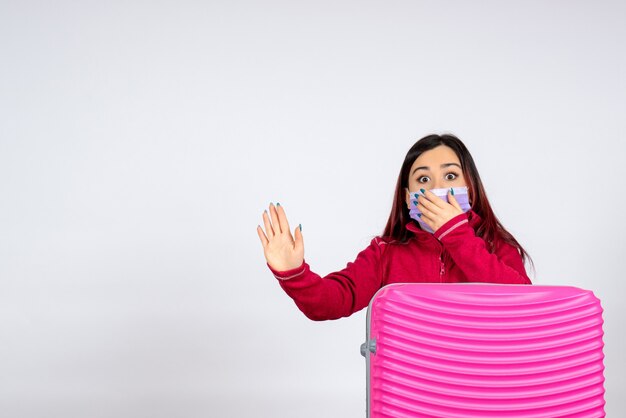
<point x="470" y="254"/>
<point x="338" y="294"/>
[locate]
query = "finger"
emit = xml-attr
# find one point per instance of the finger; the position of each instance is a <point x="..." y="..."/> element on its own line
<point x="414" y="195"/>
<point x="427" y="220"/>
<point x="423" y="202"/>
<point x="275" y="221"/>
<point x="299" y="242"/>
<point x="425" y="212"/>
<point x="268" y="226"/>
<point x="434" y="199"/>
<point x="282" y="218"/>
<point x="262" y="237"/>
<point x="452" y="200"/>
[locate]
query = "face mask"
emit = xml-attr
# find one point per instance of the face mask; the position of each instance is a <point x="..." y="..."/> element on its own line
<point x="460" y="194"/>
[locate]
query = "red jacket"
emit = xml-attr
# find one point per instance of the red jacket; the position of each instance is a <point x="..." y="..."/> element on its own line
<point x="453" y="254"/>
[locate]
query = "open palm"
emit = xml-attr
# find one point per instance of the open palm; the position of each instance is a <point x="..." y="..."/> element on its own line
<point x="281" y="250"/>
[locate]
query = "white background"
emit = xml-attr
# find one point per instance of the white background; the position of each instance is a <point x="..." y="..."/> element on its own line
<point x="141" y="141"/>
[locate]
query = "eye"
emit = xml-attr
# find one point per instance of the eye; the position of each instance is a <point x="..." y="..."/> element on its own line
<point x="419" y="180"/>
<point x="454" y="176"/>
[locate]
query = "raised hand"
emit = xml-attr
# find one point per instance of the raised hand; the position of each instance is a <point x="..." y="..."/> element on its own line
<point x="281" y="250"/>
<point x="436" y="211"/>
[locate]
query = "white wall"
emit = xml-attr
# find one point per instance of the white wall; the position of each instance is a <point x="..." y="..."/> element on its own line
<point x="140" y="143"/>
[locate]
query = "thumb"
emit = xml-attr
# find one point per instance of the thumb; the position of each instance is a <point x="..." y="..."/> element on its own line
<point x="452" y="200"/>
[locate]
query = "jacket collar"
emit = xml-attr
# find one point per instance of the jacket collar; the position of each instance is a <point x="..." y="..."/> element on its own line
<point x="472" y="219"/>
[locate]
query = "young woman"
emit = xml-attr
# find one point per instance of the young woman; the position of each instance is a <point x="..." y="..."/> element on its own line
<point x="441" y="229"/>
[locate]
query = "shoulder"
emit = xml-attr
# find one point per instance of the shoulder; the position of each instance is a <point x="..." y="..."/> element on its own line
<point x="383" y="241"/>
<point x="503" y="244"/>
<point x="380" y="241"/>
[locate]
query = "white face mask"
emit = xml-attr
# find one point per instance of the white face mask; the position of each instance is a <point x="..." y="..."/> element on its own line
<point x="460" y="194"/>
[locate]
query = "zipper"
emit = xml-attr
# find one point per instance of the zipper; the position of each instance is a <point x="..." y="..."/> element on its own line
<point x="442" y="269"/>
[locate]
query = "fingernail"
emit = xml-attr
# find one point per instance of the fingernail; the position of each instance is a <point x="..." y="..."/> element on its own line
<point x="277" y="204"/>
<point x="271" y="203"/>
<point x="416" y="195"/>
<point x="423" y="191"/>
<point x="419" y="214"/>
<point x="415" y="202"/>
<point x="300" y="227"/>
<point x="452" y="191"/>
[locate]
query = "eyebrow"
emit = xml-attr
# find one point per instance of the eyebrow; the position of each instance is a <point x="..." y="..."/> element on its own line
<point x="428" y="168"/>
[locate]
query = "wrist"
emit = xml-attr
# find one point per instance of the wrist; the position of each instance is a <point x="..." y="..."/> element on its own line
<point x="451" y="225"/>
<point x="285" y="274"/>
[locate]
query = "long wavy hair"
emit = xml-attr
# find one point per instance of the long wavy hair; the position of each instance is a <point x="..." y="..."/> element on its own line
<point x="489" y="228"/>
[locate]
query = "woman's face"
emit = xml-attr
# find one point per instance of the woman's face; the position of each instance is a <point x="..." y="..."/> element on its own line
<point x="437" y="168"/>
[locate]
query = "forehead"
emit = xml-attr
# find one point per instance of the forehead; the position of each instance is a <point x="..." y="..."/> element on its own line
<point x="433" y="158"/>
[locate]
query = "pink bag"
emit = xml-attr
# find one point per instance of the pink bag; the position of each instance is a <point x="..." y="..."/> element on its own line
<point x="478" y="350"/>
